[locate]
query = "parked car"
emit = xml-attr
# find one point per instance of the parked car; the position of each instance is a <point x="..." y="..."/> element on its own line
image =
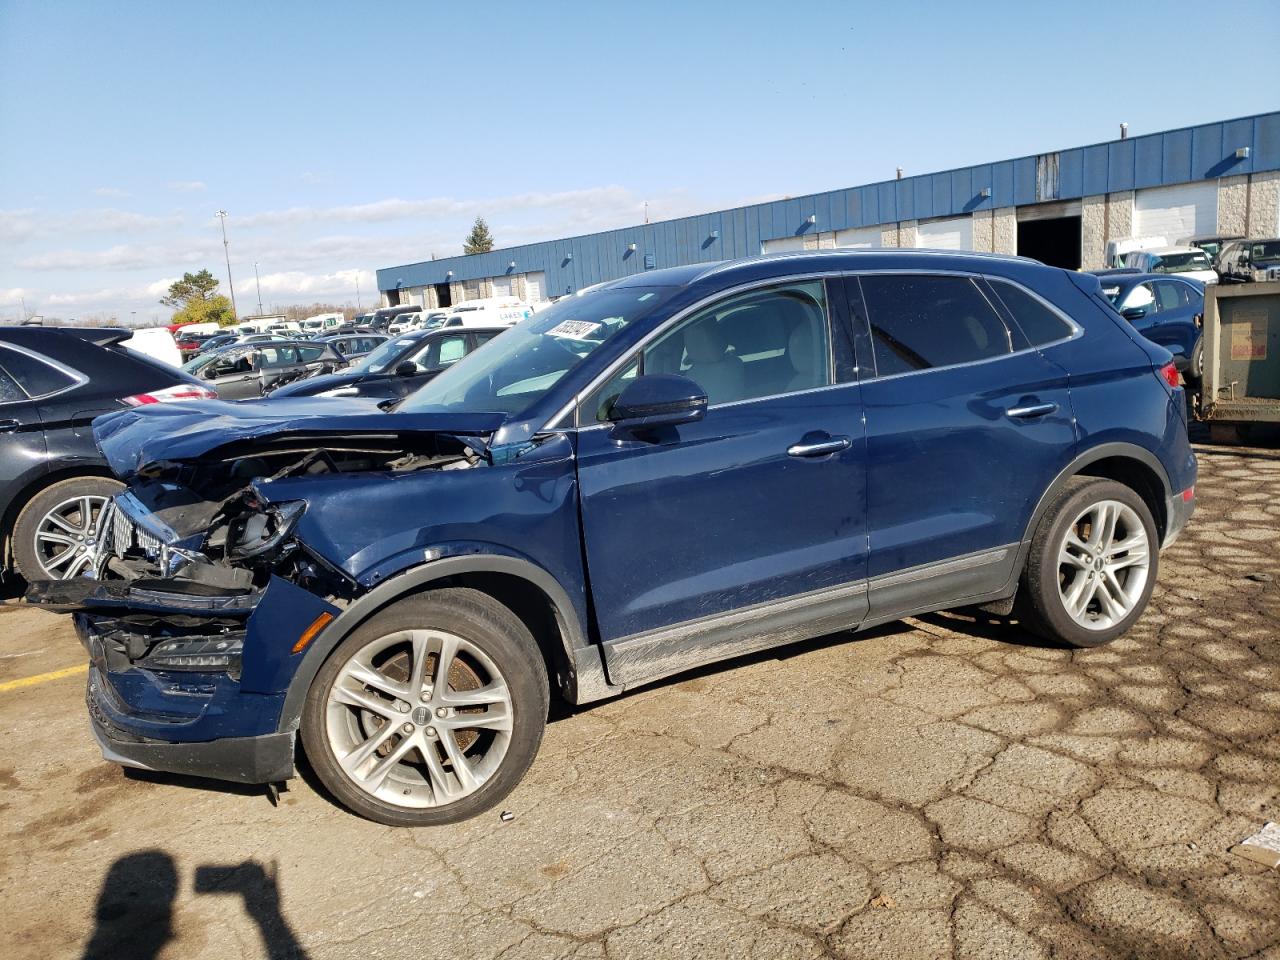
<point x="248" y="370"/>
<point x="53" y="480"/>
<point x="1211" y="244"/>
<point x="681" y="466"/>
<point x="353" y="345"/>
<point x="397" y="368"/>
<point x="384" y="316"/>
<point x="1244" y="261"/>
<point x="404" y="322"/>
<point x="190" y="343"/>
<point x="1190" y="262"/>
<point x="321" y="323"/>
<point x="1168" y="310"/>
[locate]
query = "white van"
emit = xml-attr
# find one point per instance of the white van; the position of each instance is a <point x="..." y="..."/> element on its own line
<point x="488" y="312"/>
<point x="322" y="322"/>
<point x="1117" y="249"/>
<point x="155" y="342"/>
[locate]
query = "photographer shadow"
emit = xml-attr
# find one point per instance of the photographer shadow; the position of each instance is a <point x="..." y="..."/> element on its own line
<point x="134" y="913"/>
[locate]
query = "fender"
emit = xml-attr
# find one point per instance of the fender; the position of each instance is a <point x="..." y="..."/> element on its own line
<point x="583" y="657"/>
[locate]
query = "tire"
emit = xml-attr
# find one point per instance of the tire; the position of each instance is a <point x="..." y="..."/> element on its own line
<point x="1194" y="374"/>
<point x="1069" y="589"/>
<point x="346" y="718"/>
<point x="51" y="523"/>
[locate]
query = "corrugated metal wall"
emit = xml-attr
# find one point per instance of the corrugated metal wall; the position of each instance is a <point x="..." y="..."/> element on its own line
<point x="1175" y="156"/>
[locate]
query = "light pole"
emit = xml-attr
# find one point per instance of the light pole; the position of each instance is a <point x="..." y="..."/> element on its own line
<point x="359" y="305"/>
<point x="222" y="215"/>
<point x="258" y="284"/>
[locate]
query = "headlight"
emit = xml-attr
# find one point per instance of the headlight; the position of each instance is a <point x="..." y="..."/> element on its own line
<point x="263" y="530"/>
<point x="206" y="654"/>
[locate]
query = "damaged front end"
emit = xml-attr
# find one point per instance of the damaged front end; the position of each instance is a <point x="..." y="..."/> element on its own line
<point x="201" y="590"/>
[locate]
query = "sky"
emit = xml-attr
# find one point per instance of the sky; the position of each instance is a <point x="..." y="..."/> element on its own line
<point x="341" y="137"/>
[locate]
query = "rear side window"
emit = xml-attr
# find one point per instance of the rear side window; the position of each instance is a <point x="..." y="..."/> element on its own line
<point x="1171" y="295"/>
<point x="310" y="354"/>
<point x="1040" y="324"/>
<point x="36" y="377"/>
<point x="919" y="322"/>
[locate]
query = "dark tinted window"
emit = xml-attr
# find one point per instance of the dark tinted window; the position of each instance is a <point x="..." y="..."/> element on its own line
<point x="37" y="378"/>
<point x="9" y="389"/>
<point x="1171" y="295"/>
<point x="311" y="354"/>
<point x="1040" y="324"/>
<point x="918" y="322"/>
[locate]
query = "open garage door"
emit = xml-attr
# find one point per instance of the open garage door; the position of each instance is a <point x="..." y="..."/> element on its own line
<point x="1050" y="233"/>
<point x="782" y="243"/>
<point x="1175" y="213"/>
<point x="859" y="237"/>
<point x="950" y="233"/>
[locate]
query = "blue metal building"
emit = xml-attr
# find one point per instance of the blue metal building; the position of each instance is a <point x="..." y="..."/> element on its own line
<point x="1061" y="207"/>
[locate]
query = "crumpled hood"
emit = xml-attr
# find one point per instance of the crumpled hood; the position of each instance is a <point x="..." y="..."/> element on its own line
<point x="132" y="439"/>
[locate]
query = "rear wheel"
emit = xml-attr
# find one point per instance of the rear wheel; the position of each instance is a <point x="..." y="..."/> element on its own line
<point x="430" y="712"/>
<point x="56" y="532"/>
<point x="1092" y="565"/>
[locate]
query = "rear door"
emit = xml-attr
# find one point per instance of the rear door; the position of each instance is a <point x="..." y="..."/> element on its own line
<point x="967" y="423"/>
<point x="22" y="442"/>
<point x="1174" y="323"/>
<point x="700" y="538"/>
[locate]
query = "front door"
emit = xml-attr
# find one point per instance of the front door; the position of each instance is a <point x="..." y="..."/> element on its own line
<point x="699" y="538"/>
<point x="967" y="424"/>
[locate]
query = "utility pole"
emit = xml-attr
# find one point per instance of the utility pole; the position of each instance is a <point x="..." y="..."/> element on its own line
<point x="226" y="250"/>
<point x="359" y="305"/>
<point x="257" y="283"/>
<point x="646" y="211"/>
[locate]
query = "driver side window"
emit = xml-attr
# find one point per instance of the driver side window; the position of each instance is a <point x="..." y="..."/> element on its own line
<point x="761" y="343"/>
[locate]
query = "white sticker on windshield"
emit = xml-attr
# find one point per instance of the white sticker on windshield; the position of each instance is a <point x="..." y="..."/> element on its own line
<point x="574" y="329"/>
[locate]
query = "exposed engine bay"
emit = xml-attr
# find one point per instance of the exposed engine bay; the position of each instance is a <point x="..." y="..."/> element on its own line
<point x="185" y="552"/>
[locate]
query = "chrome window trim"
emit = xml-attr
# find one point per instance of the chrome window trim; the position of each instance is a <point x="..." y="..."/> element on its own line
<point x="78" y="378"/>
<point x="555" y="422"/>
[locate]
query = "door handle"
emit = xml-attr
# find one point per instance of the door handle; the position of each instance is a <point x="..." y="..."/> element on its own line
<point x="1031" y="410"/>
<point x="819" y="448"/>
<point x="8" y="425"/>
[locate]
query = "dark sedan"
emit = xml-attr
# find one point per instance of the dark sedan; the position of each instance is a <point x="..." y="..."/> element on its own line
<point x="53" y="480"/>
<point x="397" y="368"/>
<point x="248" y="370"/>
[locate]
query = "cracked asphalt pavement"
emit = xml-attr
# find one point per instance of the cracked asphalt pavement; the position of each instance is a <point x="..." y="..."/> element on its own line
<point x="940" y="787"/>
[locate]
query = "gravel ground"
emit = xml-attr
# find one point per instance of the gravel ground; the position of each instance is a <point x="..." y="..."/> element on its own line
<point x="940" y="787"/>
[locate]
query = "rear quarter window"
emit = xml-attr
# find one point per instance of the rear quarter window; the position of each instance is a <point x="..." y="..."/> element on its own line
<point x="1038" y="323"/>
<point x="10" y="392"/>
<point x="37" y="377"/>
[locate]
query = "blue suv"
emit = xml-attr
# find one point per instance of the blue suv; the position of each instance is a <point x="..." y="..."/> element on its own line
<point x="671" y="469"/>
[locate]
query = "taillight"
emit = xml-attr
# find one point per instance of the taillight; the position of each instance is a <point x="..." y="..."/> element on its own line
<point x="181" y="391"/>
<point x="1169" y="373"/>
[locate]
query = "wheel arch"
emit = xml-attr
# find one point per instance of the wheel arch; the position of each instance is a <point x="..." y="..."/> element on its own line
<point x="573" y="664"/>
<point x="1126" y="463"/>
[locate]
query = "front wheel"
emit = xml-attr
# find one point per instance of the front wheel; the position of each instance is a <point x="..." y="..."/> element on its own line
<point x="430" y="712"/>
<point x="1092" y="564"/>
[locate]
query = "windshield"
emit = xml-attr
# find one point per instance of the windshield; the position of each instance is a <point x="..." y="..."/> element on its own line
<point x="1180" y="262"/>
<point x="380" y="360"/>
<point x="520" y="367"/>
<point x="1265" y="251"/>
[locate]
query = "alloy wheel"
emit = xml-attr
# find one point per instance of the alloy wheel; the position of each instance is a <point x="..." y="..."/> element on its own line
<point x="1103" y="564"/>
<point x="419" y="718"/>
<point x="67" y="535"/>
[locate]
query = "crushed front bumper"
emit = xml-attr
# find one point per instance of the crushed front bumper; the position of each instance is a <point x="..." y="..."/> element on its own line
<point x="220" y="724"/>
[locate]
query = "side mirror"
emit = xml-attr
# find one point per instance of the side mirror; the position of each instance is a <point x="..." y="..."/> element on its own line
<point x="406" y="368"/>
<point x="660" y="400"/>
<point x="1134" y="313"/>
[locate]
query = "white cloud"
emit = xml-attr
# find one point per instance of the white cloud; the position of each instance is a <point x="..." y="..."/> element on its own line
<point x="110" y="192"/>
<point x="13" y="296"/>
<point x="17" y="225"/>
<point x="187" y="186"/>
<point x="339" y="285"/>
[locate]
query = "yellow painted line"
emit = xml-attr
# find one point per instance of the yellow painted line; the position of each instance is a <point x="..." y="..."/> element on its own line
<point x="43" y="677"/>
